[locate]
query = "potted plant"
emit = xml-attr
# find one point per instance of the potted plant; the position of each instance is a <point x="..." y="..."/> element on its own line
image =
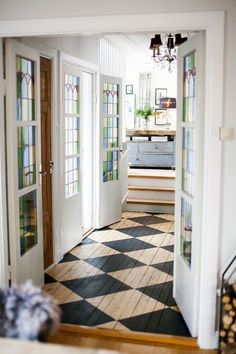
<point x="145" y="113"/>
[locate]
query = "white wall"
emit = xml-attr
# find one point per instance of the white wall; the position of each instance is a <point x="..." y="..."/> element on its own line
<point x="161" y="78"/>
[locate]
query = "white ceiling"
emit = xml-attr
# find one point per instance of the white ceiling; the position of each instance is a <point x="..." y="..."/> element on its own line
<point x="135" y="45"/>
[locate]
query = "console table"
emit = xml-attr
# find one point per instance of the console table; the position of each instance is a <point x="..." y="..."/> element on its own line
<point x="150" y="152"/>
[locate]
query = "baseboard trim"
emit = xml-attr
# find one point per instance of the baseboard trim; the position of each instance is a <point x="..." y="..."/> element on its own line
<point x="134" y="337"/>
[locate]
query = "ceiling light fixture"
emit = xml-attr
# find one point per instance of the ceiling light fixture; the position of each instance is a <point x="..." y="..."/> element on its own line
<point x="164" y="48"/>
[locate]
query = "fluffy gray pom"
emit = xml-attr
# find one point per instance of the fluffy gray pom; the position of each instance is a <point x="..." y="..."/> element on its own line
<point x="27" y="313"/>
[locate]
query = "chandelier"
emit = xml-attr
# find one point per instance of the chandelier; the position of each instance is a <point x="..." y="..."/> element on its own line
<point x="165" y="49"/>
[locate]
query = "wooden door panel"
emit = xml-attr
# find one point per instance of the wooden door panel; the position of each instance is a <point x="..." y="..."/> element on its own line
<point x="45" y="89"/>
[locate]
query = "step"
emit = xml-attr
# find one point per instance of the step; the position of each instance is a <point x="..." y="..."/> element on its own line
<point x="151" y="193"/>
<point x="151" y="181"/>
<point x="150" y="206"/>
<point x="76" y="333"/>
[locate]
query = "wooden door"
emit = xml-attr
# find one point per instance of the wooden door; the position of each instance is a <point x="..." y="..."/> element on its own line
<point x="47" y="165"/>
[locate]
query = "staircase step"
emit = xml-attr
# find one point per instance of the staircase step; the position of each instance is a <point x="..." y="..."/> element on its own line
<point x="152" y="189"/>
<point x="136" y="175"/>
<point x="150" y="201"/>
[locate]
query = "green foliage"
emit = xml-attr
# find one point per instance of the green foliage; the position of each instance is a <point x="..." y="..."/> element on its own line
<point x="144" y="112"/>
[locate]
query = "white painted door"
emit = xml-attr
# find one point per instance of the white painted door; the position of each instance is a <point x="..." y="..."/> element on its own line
<point x="71" y="159"/>
<point x="110" y="192"/>
<point x="23" y="162"/>
<point x="189" y="156"/>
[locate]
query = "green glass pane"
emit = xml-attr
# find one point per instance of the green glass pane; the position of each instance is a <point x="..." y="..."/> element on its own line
<point x="26" y="156"/>
<point x="189" y="90"/>
<point x="25" y="90"/>
<point x="186" y="231"/>
<point x="28" y="222"/>
<point x="105" y="132"/>
<point x="109" y="155"/>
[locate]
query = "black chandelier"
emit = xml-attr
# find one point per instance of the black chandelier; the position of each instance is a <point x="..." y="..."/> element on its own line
<point x="164" y="48"/>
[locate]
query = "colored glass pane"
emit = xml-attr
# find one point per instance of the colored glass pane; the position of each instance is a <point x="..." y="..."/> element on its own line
<point x="110" y="99"/>
<point x="28" y="222"/>
<point x="110" y="132"/>
<point x="188" y="160"/>
<point x="189" y="87"/>
<point x="110" y="166"/>
<point x="186" y="231"/>
<point x="71" y="176"/>
<point x="71" y="136"/>
<point x="72" y="94"/>
<point x="26" y="156"/>
<point x="25" y="90"/>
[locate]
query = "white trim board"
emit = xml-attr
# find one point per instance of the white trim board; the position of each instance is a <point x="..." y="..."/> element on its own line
<point x="213" y="24"/>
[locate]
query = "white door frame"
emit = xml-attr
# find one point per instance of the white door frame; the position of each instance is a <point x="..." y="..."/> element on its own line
<point x="212" y="23"/>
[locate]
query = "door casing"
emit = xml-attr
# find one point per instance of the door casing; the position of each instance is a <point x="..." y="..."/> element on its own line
<point x="212" y="22"/>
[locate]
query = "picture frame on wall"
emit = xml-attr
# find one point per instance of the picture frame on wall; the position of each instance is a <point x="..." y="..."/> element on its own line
<point x="160" y="117"/>
<point x="159" y="93"/>
<point x="129" y="89"/>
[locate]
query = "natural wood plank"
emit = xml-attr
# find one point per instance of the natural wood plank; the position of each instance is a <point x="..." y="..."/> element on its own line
<point x="150" y="201"/>
<point x="152" y="189"/>
<point x="133" y="175"/>
<point x="136" y="132"/>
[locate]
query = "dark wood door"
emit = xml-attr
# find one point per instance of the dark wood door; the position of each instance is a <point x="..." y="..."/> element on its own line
<point x="46" y="152"/>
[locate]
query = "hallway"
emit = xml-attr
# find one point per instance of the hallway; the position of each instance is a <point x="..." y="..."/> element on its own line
<point x="121" y="277"/>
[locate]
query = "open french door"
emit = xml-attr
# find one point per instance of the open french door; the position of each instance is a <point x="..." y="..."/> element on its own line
<point x="189" y="156"/>
<point x="71" y="159"/>
<point x="23" y="162"/>
<point x="110" y="193"/>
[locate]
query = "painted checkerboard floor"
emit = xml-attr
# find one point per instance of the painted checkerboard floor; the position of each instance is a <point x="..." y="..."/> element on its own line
<point x="121" y="277"/>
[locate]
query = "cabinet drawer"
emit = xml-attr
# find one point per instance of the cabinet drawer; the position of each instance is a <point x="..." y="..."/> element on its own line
<point x="157" y="160"/>
<point x="160" y="147"/>
<point x="133" y="147"/>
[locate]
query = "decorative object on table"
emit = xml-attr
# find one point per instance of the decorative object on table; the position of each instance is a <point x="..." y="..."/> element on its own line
<point x="227" y="330"/>
<point x="26" y="312"/>
<point x="145" y="113"/>
<point x="168" y="103"/>
<point x="159" y="93"/>
<point x="160" y="116"/>
<point x="164" y="49"/>
<point x="129" y="89"/>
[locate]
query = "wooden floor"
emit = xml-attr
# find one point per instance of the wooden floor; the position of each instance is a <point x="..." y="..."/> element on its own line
<point x="122" y="345"/>
<point x="121" y="277"/>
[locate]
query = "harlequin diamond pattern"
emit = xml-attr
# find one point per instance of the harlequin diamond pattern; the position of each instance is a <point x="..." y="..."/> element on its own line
<point x="121" y="277"/>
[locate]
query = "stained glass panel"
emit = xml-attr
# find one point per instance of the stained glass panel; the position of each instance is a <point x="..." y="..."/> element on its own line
<point x="72" y="94"/>
<point x="71" y="136"/>
<point x="188" y="160"/>
<point x="26" y="156"/>
<point x="110" y="132"/>
<point x="189" y="87"/>
<point x="71" y="176"/>
<point x="28" y="222"/>
<point x="186" y="231"/>
<point x="110" y="165"/>
<point x="110" y="98"/>
<point x="25" y="90"/>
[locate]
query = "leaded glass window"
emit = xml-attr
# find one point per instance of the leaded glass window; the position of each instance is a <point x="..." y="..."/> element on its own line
<point x="188" y="154"/>
<point x="72" y="143"/>
<point x="110" y="131"/>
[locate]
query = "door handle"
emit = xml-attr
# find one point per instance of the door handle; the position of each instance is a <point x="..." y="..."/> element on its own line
<point x="42" y="173"/>
<point x="51" y="164"/>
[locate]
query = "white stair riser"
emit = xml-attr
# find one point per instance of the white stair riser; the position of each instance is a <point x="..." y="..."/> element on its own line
<point x="165" y="209"/>
<point x="153" y="195"/>
<point x="151" y="182"/>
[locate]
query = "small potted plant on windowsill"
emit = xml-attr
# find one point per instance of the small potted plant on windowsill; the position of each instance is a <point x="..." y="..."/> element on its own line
<point x="145" y="113"/>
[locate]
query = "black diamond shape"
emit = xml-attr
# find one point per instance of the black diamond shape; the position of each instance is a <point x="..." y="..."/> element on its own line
<point x="101" y="284"/>
<point x="166" y="267"/>
<point x="148" y="220"/>
<point x="114" y="262"/>
<point x="88" y="241"/>
<point x="160" y="292"/>
<point x="48" y="279"/>
<point x="83" y="313"/>
<point x="129" y="245"/>
<point x="139" y="231"/>
<point x="68" y="257"/>
<point x="169" y="248"/>
<point x="165" y="321"/>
